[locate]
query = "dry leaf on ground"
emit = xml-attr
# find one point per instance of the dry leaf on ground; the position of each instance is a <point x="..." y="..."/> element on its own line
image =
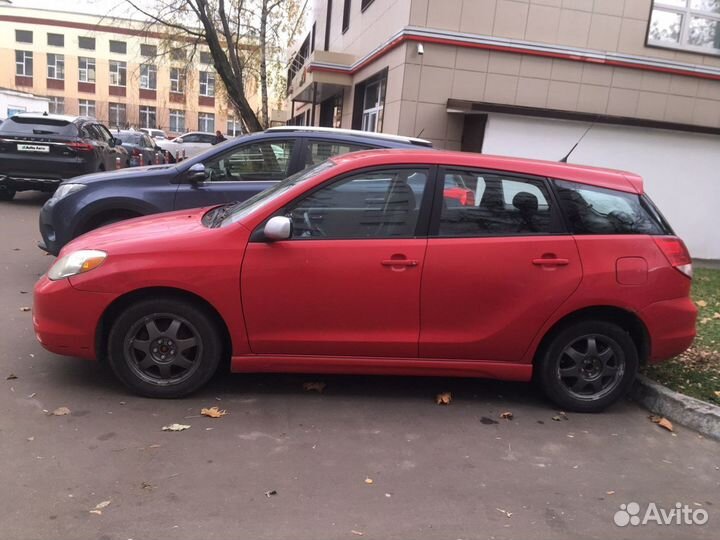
<point x="357" y="533"/>
<point x="443" y="398"/>
<point x="99" y="507"/>
<point x="701" y="303"/>
<point x="610" y="492"/>
<point x="176" y="427"/>
<point x="213" y="412"/>
<point x="717" y="393"/>
<point x="270" y="493"/>
<point x="507" y="514"/>
<point x="368" y="480"/>
<point x="662" y="422"/>
<point x="11" y="377"/>
<point x="716" y="315"/>
<point x="24" y="308"/>
<point x="314" y="386"/>
<point x="60" y="411"/>
<point x="507" y="415"/>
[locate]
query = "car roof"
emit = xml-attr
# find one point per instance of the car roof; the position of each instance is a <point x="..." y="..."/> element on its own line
<point x="196" y="133"/>
<point x="352" y="132"/>
<point x="595" y="176"/>
<point x="66" y="117"/>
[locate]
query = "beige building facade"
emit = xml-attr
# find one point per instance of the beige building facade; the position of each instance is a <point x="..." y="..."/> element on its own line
<point x="118" y="71"/>
<point x="528" y="78"/>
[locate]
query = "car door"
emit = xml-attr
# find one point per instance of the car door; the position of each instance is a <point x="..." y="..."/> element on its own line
<point x="498" y="265"/>
<point x="347" y="282"/>
<point x="239" y="173"/>
<point x="109" y="150"/>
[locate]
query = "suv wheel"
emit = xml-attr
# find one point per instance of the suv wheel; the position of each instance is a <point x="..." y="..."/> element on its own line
<point x="588" y="366"/>
<point x="7" y="194"/>
<point x="165" y="348"/>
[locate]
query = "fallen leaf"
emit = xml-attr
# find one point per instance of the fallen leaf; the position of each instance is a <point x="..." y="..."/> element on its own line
<point x="716" y="315"/>
<point x="60" y="411"/>
<point x="444" y="398"/>
<point x="99" y="507"/>
<point x="270" y="493"/>
<point x="11" y="377"/>
<point x="662" y="422"/>
<point x="609" y="493"/>
<point x="146" y="485"/>
<point x="357" y="533"/>
<point x="176" y="427"/>
<point x="717" y="393"/>
<point x="213" y="412"/>
<point x="31" y="439"/>
<point x="701" y="303"/>
<point x="368" y="480"/>
<point x="24" y="308"/>
<point x="507" y="415"/>
<point x="507" y="514"/>
<point x="32" y="395"/>
<point x="705" y="320"/>
<point x="314" y="386"/>
<point x="560" y="416"/>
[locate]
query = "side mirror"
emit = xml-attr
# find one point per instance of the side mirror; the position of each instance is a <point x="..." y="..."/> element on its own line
<point x="117" y="142"/>
<point x="278" y="228"/>
<point x="178" y="140"/>
<point x="196" y="173"/>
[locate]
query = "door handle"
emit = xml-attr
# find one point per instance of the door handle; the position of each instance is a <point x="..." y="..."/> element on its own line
<point x="550" y="262"/>
<point x="399" y="262"/>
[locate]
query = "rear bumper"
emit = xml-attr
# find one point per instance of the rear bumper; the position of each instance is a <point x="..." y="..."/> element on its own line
<point x="65" y="319"/>
<point x="671" y="326"/>
<point x="48" y="185"/>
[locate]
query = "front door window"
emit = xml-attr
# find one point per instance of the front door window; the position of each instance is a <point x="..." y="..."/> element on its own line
<point x="261" y="161"/>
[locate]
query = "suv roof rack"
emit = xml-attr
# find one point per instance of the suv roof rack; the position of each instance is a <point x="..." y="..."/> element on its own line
<point x="354" y="132"/>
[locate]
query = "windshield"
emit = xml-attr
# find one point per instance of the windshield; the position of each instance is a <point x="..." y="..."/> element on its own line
<point x="266" y="197"/>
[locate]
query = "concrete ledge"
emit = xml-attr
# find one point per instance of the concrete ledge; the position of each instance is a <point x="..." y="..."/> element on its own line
<point x="689" y="412"/>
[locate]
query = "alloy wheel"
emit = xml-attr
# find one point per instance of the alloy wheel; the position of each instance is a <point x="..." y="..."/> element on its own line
<point x="591" y="367"/>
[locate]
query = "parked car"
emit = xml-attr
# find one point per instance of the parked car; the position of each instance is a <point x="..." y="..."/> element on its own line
<point x="565" y="272"/>
<point x="154" y="133"/>
<point x="38" y="151"/>
<point x="189" y="144"/>
<point x="142" y="148"/>
<point x="231" y="171"/>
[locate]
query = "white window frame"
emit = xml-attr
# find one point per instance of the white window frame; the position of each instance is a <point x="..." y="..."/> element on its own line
<point x="207" y="87"/>
<point x="146" y="113"/>
<point x="203" y="119"/>
<point x="114" y="116"/>
<point x="86" y="107"/>
<point x="177" y="121"/>
<point x="234" y="127"/>
<point x="118" y="73"/>
<point x="21" y="66"/>
<point x="372" y="117"/>
<point x="54" y="102"/>
<point x="56" y="69"/>
<point x="87" y="73"/>
<point x="177" y="80"/>
<point x="148" y="77"/>
<point x="686" y="13"/>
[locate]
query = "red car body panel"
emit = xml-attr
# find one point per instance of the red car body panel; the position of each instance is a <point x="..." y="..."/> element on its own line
<point x="460" y="306"/>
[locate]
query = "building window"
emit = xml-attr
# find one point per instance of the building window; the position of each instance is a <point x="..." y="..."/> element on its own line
<point x="148" y="77"/>
<point x="118" y="115"/>
<point x="24" y="63"/>
<point x="23" y="36"/>
<point x="56" y="66"/>
<point x="207" y="83"/>
<point x="177" y="54"/>
<point x="87" y="107"/>
<point x="149" y="51"/>
<point x="86" y="43"/>
<point x="370" y="103"/>
<point x="148" y="116"/>
<point x="56" y="105"/>
<point x="205" y="57"/>
<point x="118" y="73"/>
<point x="234" y="127"/>
<point x="692" y="25"/>
<point x="346" y="15"/>
<point x="365" y="3"/>
<point x="86" y="71"/>
<point x="119" y="47"/>
<point x="177" y="121"/>
<point x="206" y="122"/>
<point x="177" y="80"/>
<point x="56" y="40"/>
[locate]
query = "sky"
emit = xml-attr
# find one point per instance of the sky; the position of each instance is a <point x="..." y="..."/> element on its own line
<point x="117" y="8"/>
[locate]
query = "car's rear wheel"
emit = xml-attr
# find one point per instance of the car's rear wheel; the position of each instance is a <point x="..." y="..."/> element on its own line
<point x="7" y="194"/>
<point x="165" y="348"/>
<point x="588" y="366"/>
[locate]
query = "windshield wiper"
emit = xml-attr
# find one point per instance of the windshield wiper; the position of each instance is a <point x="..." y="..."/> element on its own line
<point x="221" y="213"/>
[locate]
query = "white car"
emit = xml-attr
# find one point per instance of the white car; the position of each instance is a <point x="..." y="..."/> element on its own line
<point x="154" y="133"/>
<point x="188" y="144"/>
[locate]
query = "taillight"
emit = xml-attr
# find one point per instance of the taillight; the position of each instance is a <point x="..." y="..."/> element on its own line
<point x="676" y="253"/>
<point x="135" y="152"/>
<point x="80" y="147"/>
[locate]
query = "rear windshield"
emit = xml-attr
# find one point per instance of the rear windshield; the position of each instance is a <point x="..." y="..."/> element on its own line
<point x="594" y="210"/>
<point x="132" y="138"/>
<point x="39" y="126"/>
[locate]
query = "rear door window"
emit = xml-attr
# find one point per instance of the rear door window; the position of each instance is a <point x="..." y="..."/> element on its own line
<point x="595" y="210"/>
<point x="38" y="126"/>
<point x="318" y="150"/>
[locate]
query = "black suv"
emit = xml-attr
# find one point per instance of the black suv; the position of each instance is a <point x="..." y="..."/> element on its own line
<point x="38" y="151"/>
<point x="231" y="171"/>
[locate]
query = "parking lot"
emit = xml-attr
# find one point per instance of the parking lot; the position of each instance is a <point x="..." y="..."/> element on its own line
<point x="368" y="457"/>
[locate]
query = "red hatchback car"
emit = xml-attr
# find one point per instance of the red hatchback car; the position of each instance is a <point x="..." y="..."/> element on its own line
<point x="370" y="263"/>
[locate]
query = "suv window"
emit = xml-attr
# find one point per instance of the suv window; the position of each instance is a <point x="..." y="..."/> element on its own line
<point x="318" y="151"/>
<point x="39" y="126"/>
<point x="373" y="204"/>
<point x="594" y="210"/>
<point x="265" y="160"/>
<point x="203" y="138"/>
<point x="191" y="137"/>
<point x="482" y="204"/>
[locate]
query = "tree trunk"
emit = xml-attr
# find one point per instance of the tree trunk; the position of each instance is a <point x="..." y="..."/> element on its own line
<point x="263" y="63"/>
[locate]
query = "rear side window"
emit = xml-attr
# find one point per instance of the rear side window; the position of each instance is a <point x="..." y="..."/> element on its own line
<point x="594" y="210"/>
<point x="38" y="126"/>
<point x="319" y="151"/>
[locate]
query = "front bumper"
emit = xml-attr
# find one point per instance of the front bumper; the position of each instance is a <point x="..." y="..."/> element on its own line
<point x="66" y="319"/>
<point x="54" y="227"/>
<point x="671" y="326"/>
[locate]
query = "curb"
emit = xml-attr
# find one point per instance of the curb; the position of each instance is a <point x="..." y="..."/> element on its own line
<point x="690" y="412"/>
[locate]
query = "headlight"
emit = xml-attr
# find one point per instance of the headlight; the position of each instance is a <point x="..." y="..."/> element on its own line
<point x="77" y="262"/>
<point x="66" y="189"/>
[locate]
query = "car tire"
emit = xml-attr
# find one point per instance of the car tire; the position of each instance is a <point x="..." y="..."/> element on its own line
<point x="588" y="366"/>
<point x="164" y="348"/>
<point x="7" y="194"/>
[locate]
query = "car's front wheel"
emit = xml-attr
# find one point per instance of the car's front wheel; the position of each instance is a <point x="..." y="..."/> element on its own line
<point x="164" y="348"/>
<point x="588" y="366"/>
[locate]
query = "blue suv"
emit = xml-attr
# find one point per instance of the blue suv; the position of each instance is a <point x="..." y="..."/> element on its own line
<point x="230" y="171"/>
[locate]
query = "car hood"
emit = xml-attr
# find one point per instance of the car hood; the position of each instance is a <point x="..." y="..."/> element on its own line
<point x="158" y="232"/>
<point x="139" y="173"/>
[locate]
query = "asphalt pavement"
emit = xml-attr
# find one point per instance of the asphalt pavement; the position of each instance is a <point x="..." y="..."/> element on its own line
<point x="369" y="457"/>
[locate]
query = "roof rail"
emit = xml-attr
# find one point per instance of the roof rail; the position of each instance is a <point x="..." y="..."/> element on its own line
<point x="354" y="132"/>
